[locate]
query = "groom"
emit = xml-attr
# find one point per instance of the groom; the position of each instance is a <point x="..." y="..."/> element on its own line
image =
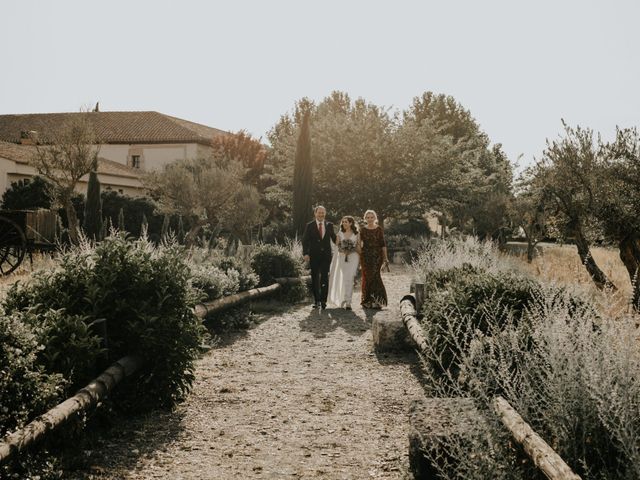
<point x="316" y="248"/>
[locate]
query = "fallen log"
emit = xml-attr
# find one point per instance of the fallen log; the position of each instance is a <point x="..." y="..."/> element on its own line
<point x="409" y="314"/>
<point x="203" y="309"/>
<point x="86" y="398"/>
<point x="294" y="280"/>
<point x="542" y="455"/>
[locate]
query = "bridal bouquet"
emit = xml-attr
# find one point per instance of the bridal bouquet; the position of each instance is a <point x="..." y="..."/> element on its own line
<point x="347" y="245"/>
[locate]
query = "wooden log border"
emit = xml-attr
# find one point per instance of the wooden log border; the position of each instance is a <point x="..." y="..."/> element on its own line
<point x="98" y="388"/>
<point x="409" y="318"/>
<point x="203" y="309"/>
<point x="86" y="398"/>
<point x="542" y="455"/>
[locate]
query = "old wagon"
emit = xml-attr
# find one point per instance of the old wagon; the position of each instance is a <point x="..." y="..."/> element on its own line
<point x="22" y="232"/>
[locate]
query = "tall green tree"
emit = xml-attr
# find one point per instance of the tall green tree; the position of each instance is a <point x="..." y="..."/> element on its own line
<point x="302" y="178"/>
<point x="121" y="226"/>
<point x="449" y="165"/>
<point x="352" y="156"/>
<point x="364" y="156"/>
<point x="92" y="225"/>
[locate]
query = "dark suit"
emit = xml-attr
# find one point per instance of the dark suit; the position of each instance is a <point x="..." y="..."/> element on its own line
<point x="319" y="251"/>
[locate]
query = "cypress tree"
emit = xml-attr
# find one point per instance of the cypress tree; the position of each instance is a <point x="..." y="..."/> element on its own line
<point x="302" y="178"/>
<point x="93" y="208"/>
<point x="164" y="234"/>
<point x="121" y="220"/>
<point x="144" y="226"/>
<point x="181" y="233"/>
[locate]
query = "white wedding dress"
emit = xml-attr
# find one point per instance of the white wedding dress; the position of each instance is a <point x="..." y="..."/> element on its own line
<point x="342" y="273"/>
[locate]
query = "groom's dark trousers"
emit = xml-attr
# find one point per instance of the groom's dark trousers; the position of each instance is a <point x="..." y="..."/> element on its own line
<point x="319" y="251"/>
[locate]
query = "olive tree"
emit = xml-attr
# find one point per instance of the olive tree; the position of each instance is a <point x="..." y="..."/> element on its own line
<point x="63" y="156"/>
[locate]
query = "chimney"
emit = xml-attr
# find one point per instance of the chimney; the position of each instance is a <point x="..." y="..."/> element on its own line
<point x="28" y="137"/>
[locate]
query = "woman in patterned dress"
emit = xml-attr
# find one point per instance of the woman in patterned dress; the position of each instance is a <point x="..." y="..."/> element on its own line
<point x="373" y="257"/>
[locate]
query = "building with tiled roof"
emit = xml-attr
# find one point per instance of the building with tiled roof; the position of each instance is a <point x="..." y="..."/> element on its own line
<point x="130" y="142"/>
<point x="15" y="165"/>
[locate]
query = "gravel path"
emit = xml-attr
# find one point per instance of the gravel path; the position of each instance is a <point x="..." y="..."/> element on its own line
<point x="301" y="395"/>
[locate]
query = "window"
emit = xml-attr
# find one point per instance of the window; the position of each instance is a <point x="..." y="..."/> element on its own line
<point x="135" y="161"/>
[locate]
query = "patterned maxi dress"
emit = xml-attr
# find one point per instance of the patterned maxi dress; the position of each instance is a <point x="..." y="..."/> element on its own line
<point x="373" y="290"/>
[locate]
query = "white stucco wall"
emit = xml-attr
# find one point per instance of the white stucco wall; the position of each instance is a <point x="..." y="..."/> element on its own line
<point x="6" y="166"/>
<point x="11" y="171"/>
<point x="152" y="156"/>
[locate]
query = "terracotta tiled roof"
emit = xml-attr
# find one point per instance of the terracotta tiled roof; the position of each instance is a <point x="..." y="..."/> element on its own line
<point x="113" y="127"/>
<point x="17" y="153"/>
<point x="23" y="153"/>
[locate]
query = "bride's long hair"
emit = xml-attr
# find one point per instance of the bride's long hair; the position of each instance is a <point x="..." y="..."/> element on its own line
<point x="352" y="222"/>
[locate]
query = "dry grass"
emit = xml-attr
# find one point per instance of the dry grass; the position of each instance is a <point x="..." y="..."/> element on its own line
<point x="560" y="264"/>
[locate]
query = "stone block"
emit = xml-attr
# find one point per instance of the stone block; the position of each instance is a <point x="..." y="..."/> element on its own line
<point x="390" y="334"/>
<point x="433" y="424"/>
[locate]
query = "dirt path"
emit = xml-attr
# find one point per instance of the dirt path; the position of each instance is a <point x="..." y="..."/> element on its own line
<point x="302" y="395"/>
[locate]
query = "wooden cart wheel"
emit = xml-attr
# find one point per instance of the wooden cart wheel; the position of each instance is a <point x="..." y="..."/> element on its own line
<point x="13" y="246"/>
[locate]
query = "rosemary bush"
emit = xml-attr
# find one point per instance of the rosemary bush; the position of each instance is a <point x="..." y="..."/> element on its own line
<point x="569" y="370"/>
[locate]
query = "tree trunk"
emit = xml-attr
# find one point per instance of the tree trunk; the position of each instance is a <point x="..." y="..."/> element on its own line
<point x="598" y="276"/>
<point x="190" y="237"/>
<point x="531" y="245"/>
<point x="72" y="220"/>
<point x="630" y="256"/>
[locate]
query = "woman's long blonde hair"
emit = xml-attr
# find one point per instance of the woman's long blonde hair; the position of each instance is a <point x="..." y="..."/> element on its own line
<point x="374" y="214"/>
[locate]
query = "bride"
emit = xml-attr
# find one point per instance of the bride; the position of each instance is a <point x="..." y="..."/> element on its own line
<point x="344" y="264"/>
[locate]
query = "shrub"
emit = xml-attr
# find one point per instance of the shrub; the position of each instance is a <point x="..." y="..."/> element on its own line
<point x="397" y="241"/>
<point x="217" y="275"/>
<point x="215" y="283"/>
<point x="247" y="278"/>
<point x="69" y="346"/>
<point x="568" y="374"/>
<point x="566" y="368"/>
<point x="26" y="390"/>
<point x="413" y="227"/>
<point x="144" y="293"/>
<point x="464" y="300"/>
<point x="27" y="194"/>
<point x="275" y="261"/>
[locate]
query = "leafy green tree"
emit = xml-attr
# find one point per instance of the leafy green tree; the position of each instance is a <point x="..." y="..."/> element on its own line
<point x="28" y="194"/>
<point x="352" y="156"/>
<point x="449" y="166"/>
<point x="241" y="147"/>
<point x="302" y="178"/>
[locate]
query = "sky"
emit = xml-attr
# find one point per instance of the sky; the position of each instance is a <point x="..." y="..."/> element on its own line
<point x="519" y="67"/>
